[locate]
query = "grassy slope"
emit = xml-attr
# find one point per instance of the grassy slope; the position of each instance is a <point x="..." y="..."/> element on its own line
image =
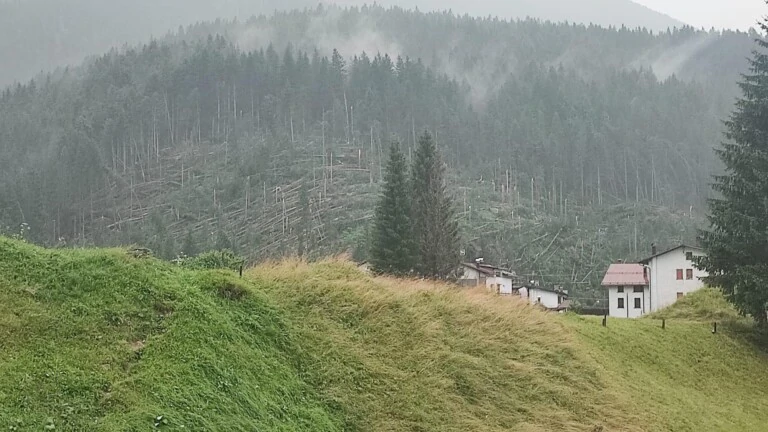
<point x="96" y="340"/>
<point x="415" y="357"/>
<point x="684" y="377"/>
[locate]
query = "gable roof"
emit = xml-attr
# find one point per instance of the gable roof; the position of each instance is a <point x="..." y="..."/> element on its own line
<point x="546" y="289"/>
<point x="625" y="275"/>
<point x="487" y="270"/>
<point x="648" y="260"/>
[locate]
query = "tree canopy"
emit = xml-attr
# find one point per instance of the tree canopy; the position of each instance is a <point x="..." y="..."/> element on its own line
<point x="737" y="242"/>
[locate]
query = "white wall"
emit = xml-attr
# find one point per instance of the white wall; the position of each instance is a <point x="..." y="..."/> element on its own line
<point x="664" y="283"/>
<point x="548" y="299"/>
<point x="505" y="287"/>
<point x="629" y="295"/>
<point x="470" y="274"/>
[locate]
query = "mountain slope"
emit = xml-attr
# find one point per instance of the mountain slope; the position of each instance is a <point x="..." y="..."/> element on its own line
<point x="100" y="340"/>
<point x="39" y="35"/>
<point x="600" y="12"/>
<point x="212" y="136"/>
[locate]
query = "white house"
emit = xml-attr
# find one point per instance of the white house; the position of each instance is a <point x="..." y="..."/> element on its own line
<point x="494" y="278"/>
<point x="672" y="275"/>
<point x="654" y="283"/>
<point x="547" y="297"/>
<point x="629" y="295"/>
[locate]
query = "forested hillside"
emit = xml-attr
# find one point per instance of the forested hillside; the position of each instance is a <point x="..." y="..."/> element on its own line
<point x="39" y="35"/>
<point x="566" y="147"/>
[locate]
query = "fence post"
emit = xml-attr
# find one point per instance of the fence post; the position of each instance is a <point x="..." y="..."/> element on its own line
<point x="663" y="324"/>
<point x="605" y="321"/>
<point x="714" y="328"/>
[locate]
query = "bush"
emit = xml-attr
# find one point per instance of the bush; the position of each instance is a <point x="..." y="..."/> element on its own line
<point x="223" y="259"/>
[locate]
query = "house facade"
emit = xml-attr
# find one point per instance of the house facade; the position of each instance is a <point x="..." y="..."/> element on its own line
<point x="629" y="294"/>
<point x="654" y="283"/>
<point x="497" y="280"/>
<point x="549" y="298"/>
<point x="502" y="282"/>
<point x="673" y="275"/>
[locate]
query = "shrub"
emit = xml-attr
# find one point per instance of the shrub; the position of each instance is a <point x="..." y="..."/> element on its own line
<point x="223" y="259"/>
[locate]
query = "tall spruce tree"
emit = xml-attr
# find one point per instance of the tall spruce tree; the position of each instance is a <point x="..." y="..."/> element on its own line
<point x="737" y="242"/>
<point x="394" y="247"/>
<point x="434" y="219"/>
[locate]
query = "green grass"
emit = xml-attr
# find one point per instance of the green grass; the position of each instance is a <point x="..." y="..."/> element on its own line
<point x="707" y="305"/>
<point x="682" y="378"/>
<point x="99" y="340"/>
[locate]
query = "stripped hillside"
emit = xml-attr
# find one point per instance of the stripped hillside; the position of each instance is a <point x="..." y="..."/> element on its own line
<point x="202" y="141"/>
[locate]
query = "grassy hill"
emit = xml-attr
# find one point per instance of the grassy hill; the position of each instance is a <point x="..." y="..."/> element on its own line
<point x="101" y="340"/>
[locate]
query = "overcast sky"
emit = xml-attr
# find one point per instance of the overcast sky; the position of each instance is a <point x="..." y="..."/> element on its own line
<point x="733" y="14"/>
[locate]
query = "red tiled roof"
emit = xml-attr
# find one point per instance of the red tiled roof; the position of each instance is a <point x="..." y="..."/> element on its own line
<point x="625" y="275"/>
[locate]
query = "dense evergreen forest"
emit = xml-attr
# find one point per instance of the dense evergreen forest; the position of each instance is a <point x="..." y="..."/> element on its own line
<point x="44" y="34"/>
<point x="567" y="146"/>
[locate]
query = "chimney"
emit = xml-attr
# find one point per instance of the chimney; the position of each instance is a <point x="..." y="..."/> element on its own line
<point x="654" y="250"/>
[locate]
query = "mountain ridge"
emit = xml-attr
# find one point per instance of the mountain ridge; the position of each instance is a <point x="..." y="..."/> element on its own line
<point x="40" y="35"/>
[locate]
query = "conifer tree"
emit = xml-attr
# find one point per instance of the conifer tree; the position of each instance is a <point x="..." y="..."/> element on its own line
<point x="737" y="242"/>
<point x="394" y="247"/>
<point x="434" y="219"/>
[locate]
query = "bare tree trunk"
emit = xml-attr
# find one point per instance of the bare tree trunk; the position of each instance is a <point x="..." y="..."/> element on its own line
<point x="346" y="115"/>
<point x="599" y="188"/>
<point x="170" y="122"/>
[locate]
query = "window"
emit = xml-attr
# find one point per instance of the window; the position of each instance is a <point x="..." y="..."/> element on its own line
<point x="639" y="289"/>
<point x="638" y="304"/>
<point x="621" y="289"/>
<point x="689" y="274"/>
<point x="621" y="303"/>
<point x="680" y="295"/>
<point x="679" y="274"/>
<point x="689" y="256"/>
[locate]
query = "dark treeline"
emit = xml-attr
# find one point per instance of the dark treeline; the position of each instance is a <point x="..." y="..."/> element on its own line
<point x="196" y="142"/>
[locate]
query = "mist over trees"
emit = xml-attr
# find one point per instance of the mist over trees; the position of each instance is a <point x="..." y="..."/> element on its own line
<point x="216" y="137"/>
<point x="40" y="35"/>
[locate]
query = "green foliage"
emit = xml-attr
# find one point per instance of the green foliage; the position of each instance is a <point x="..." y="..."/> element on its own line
<point x="393" y="248"/>
<point x="435" y="225"/>
<point x="737" y="242"/>
<point x="221" y="259"/>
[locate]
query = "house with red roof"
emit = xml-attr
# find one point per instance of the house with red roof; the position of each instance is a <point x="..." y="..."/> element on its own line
<point x="628" y="290"/>
<point x="637" y="289"/>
